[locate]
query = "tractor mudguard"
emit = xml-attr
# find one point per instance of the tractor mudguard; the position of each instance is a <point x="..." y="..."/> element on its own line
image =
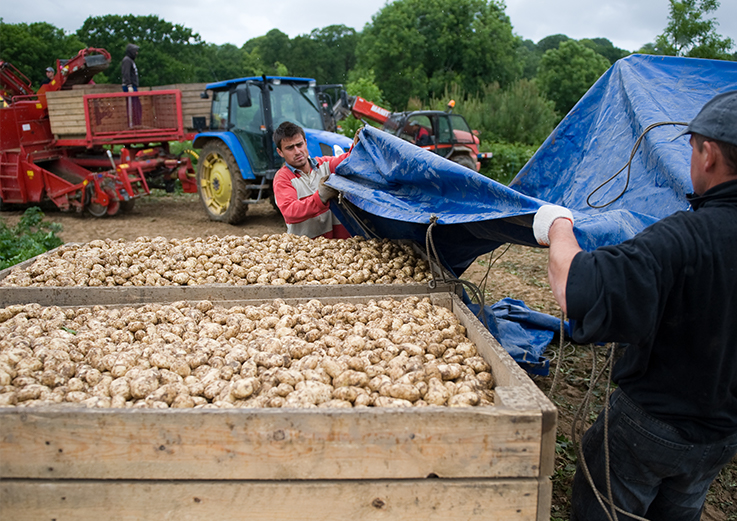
<point x="229" y="139"/>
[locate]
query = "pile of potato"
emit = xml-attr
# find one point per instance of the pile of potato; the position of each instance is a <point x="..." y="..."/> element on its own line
<point x="381" y="353"/>
<point x="238" y="260"/>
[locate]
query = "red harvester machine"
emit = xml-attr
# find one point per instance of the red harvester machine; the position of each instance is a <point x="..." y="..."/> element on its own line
<point x="59" y="148"/>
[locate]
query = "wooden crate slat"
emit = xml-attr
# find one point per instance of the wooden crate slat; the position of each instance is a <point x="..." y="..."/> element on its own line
<point x="269" y="444"/>
<point x="429" y="500"/>
<point x="512" y="379"/>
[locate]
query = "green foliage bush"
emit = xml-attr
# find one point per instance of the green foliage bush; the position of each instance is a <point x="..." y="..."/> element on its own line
<point x="507" y="161"/>
<point x="363" y="85"/>
<point x="30" y="237"/>
<point x="517" y="114"/>
<point x="566" y="73"/>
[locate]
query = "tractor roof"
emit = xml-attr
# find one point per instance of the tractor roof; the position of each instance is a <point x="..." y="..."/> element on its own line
<point x="227" y="84"/>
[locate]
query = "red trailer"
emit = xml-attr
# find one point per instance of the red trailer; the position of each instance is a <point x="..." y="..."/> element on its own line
<point x="82" y="149"/>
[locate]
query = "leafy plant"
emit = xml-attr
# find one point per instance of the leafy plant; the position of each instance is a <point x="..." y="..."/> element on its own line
<point x="30" y="237"/>
<point x="691" y="33"/>
<point x="519" y="113"/>
<point x="507" y="161"/>
<point x="566" y="73"/>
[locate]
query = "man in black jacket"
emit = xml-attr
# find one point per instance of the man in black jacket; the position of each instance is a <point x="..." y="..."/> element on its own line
<point x="128" y="69"/>
<point x="670" y="295"/>
<point x="129" y="74"/>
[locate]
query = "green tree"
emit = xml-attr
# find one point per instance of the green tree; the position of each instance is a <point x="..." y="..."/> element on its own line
<point x="272" y="48"/>
<point x="417" y="47"/>
<point x="224" y="62"/>
<point x="326" y="54"/>
<point x="168" y="53"/>
<point x="650" y="48"/>
<point x="33" y="47"/>
<point x="517" y="114"/>
<point x="551" y="42"/>
<point x="363" y="85"/>
<point x="566" y="73"/>
<point x="691" y="33"/>
<point x="529" y="56"/>
<point x="606" y="48"/>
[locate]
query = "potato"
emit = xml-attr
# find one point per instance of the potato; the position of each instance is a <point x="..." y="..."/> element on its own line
<point x="199" y="354"/>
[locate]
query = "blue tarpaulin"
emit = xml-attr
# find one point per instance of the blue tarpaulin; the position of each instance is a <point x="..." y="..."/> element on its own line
<point x="393" y="189"/>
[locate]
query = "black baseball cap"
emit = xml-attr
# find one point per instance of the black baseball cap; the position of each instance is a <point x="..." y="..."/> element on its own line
<point x="717" y="119"/>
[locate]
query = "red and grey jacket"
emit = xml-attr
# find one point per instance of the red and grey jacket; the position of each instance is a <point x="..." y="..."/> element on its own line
<point x="300" y="204"/>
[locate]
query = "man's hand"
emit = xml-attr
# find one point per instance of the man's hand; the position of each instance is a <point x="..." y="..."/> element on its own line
<point x="355" y="137"/>
<point x="326" y="193"/>
<point x="544" y="219"/>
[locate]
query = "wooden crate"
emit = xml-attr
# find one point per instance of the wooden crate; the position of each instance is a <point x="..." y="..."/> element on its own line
<point x="431" y="463"/>
<point x="66" y="107"/>
<point x="192" y="104"/>
<point x="129" y="295"/>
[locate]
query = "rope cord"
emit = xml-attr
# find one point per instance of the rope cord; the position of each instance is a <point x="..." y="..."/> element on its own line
<point x="627" y="165"/>
<point x="491" y="265"/>
<point x="559" y="355"/>
<point x="578" y="419"/>
<point x="432" y="253"/>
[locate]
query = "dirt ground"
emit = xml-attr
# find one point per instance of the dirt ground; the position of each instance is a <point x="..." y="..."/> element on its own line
<point x="516" y="272"/>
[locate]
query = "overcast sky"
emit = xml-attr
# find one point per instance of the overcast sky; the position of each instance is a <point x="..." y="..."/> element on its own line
<point x="627" y="23"/>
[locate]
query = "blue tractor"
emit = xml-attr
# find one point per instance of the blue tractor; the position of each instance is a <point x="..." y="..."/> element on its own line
<point x="238" y="158"/>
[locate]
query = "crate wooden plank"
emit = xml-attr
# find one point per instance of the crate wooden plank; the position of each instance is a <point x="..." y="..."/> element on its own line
<point x="66" y="112"/>
<point x="131" y="295"/>
<point x="513" y="381"/>
<point x="544" y="498"/>
<point x="374" y="443"/>
<point x="429" y="500"/>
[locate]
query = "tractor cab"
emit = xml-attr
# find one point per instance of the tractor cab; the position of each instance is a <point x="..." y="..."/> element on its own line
<point x="251" y="108"/>
<point x="239" y="159"/>
<point x="440" y="132"/>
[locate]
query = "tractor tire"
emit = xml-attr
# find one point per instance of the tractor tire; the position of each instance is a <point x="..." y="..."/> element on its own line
<point x="464" y="160"/>
<point x="220" y="184"/>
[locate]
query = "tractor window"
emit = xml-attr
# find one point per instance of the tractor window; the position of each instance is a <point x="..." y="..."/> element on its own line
<point x="250" y="118"/>
<point x="461" y="131"/>
<point x="297" y="103"/>
<point x="246" y="123"/>
<point x="219" y="119"/>
<point x="445" y="133"/>
<point x="418" y="130"/>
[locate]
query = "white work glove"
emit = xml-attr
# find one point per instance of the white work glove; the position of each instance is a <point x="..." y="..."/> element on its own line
<point x="544" y="219"/>
<point x="326" y="193"/>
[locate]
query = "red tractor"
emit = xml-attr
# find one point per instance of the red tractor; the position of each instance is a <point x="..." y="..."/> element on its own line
<point x="57" y="144"/>
<point x="443" y="133"/>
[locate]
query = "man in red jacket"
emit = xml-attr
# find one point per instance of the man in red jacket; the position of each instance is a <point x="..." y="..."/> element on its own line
<point x="299" y="186"/>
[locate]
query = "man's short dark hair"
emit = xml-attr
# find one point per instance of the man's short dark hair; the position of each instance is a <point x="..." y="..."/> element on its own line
<point x="287" y="130"/>
<point x="729" y="151"/>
